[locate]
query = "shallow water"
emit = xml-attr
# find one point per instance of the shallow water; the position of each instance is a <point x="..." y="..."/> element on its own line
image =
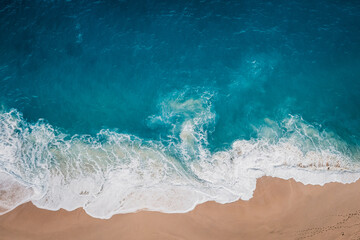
<point x="162" y="105"/>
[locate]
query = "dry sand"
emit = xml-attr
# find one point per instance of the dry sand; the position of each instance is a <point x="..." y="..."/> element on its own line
<point x="280" y="209"/>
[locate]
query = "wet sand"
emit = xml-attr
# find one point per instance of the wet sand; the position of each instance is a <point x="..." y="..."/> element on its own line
<point x="280" y="209"/>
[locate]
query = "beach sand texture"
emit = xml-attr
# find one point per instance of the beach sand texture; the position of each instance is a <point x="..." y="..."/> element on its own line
<point x="280" y="209"/>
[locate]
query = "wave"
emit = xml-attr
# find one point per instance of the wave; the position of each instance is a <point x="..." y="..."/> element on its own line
<point x="113" y="173"/>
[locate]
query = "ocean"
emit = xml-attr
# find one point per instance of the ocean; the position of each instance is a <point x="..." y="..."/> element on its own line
<point x="120" y="106"/>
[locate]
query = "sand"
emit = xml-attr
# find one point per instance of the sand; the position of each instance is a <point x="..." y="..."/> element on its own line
<point x="280" y="209"/>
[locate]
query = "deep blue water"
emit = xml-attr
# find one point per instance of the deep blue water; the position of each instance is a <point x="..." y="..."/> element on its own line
<point x="87" y="66"/>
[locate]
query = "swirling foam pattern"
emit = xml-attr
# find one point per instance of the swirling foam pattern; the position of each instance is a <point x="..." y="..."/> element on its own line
<point x="118" y="173"/>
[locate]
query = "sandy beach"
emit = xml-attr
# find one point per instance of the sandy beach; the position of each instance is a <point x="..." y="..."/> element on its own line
<point x="280" y="209"/>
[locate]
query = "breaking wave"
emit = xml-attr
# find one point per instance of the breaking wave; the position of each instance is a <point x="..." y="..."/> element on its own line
<point x="112" y="173"/>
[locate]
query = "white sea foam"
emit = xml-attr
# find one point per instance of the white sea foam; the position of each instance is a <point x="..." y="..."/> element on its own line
<point x="117" y="173"/>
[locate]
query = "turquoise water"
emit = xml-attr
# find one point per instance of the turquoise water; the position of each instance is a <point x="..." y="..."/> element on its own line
<point x="182" y="101"/>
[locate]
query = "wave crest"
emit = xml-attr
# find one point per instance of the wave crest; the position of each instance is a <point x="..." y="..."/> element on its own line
<point x="114" y="173"/>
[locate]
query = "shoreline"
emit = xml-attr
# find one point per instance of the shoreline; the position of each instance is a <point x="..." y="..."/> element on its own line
<point x="279" y="209"/>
